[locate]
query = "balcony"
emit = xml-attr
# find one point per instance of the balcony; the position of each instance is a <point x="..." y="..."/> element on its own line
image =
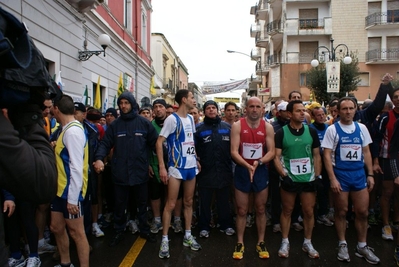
<point x="255" y="28"/>
<point x="262" y="68"/>
<point x="274" y="27"/>
<point x="383" y="56"/>
<point x="256" y="54"/>
<point x="262" y="40"/>
<point x="380" y="20"/>
<point x="273" y="60"/>
<point x="262" y="11"/>
<point x="309" y="26"/>
<point x="84" y="6"/>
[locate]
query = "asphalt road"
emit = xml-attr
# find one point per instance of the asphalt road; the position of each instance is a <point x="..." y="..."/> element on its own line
<point x="218" y="248"/>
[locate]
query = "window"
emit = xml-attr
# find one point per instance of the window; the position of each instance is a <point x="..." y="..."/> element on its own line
<point x="364" y="79"/>
<point x="127" y="20"/>
<point x="144" y="28"/>
<point x="308" y="18"/>
<point x="303" y="80"/>
<point x="306" y="51"/>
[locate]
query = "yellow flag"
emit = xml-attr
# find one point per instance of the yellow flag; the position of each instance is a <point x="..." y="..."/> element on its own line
<point x="120" y="86"/>
<point x="97" y="100"/>
<point x="152" y="88"/>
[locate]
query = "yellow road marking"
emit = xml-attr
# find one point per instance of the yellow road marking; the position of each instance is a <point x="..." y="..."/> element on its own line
<point x="133" y="253"/>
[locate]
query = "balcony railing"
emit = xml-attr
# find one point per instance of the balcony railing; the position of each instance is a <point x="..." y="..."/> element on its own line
<point x="272" y="60"/>
<point x="390" y="54"/>
<point x="274" y="27"/>
<point x="380" y="18"/>
<point x="311" y="24"/>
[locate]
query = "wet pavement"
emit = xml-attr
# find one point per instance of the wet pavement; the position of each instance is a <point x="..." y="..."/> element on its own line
<point x="218" y="248"/>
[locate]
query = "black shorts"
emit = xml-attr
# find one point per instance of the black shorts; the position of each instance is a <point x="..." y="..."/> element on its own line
<point x="386" y="168"/>
<point x="298" y="188"/>
<point x="60" y="205"/>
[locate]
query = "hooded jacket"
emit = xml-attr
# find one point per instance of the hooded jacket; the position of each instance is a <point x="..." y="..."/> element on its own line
<point x="133" y="138"/>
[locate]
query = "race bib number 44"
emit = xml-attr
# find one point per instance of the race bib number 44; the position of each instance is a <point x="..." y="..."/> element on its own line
<point x="188" y="149"/>
<point x="351" y="152"/>
<point x="300" y="166"/>
<point x="252" y="151"/>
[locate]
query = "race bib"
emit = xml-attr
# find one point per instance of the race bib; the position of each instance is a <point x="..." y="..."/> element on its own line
<point x="300" y="166"/>
<point x="252" y="151"/>
<point x="188" y="149"/>
<point x="352" y="152"/>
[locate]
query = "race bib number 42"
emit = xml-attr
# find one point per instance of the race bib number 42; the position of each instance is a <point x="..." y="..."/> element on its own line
<point x="300" y="166"/>
<point x="351" y="152"/>
<point x="252" y="151"/>
<point x="188" y="149"/>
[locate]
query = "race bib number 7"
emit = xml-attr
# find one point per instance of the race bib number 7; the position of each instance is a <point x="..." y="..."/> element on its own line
<point x="351" y="152"/>
<point x="188" y="149"/>
<point x="252" y="151"/>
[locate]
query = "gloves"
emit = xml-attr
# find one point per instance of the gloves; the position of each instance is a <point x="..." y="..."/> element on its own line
<point x="286" y="181"/>
<point x="318" y="184"/>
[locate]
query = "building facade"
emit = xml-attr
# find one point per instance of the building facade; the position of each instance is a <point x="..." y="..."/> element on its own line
<point x="62" y="29"/>
<point x="170" y="72"/>
<point x="288" y="33"/>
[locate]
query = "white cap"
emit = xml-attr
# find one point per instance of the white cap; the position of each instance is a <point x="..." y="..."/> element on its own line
<point x="282" y="106"/>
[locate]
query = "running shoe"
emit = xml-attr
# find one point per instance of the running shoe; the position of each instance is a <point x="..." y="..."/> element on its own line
<point x="177" y="226"/>
<point x="284" y="250"/>
<point x="228" y="231"/>
<point x="276" y="228"/>
<point x="33" y="262"/>
<point x="324" y="220"/>
<point x="191" y="242"/>
<point x="132" y="225"/>
<point x="343" y="254"/>
<point x="204" y="234"/>
<point x="297" y="227"/>
<point x="46" y="248"/>
<point x="16" y="262"/>
<point x="312" y="253"/>
<point x="155" y="227"/>
<point x="238" y="253"/>
<point x="262" y="251"/>
<point x="387" y="233"/>
<point x="250" y="220"/>
<point x="396" y="256"/>
<point x="96" y="231"/>
<point x="368" y="254"/>
<point x="164" y="250"/>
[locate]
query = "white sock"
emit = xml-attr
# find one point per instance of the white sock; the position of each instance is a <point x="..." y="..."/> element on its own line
<point x="177" y="219"/>
<point x="157" y="219"/>
<point x="342" y="242"/>
<point x="285" y="240"/>
<point x="94" y="225"/>
<point x="187" y="234"/>
<point x="165" y="238"/>
<point x="361" y="244"/>
<point x="307" y="241"/>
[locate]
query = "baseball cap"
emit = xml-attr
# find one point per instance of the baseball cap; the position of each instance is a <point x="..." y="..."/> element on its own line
<point x="79" y="106"/>
<point x="282" y="106"/>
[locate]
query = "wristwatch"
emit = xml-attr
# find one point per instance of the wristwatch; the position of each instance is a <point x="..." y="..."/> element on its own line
<point x="319" y="177"/>
<point x="260" y="163"/>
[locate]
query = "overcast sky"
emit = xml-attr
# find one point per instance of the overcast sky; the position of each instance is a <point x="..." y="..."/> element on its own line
<point x="200" y="32"/>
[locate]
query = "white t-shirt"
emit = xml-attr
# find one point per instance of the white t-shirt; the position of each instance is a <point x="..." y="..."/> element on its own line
<point x="330" y="139"/>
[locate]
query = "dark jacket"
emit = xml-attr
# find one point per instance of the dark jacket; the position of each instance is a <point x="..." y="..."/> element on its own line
<point x="133" y="138"/>
<point x="212" y="144"/>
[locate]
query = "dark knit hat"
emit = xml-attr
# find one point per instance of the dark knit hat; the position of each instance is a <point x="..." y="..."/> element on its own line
<point x="211" y="102"/>
<point x="112" y="111"/>
<point x="159" y="101"/>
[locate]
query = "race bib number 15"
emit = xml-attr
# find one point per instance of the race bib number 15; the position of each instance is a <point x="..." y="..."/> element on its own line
<point x="300" y="166"/>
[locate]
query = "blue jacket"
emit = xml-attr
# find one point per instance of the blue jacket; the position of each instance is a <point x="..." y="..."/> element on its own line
<point x="132" y="137"/>
<point x="212" y="144"/>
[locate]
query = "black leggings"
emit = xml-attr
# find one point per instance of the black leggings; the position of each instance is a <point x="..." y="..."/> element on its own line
<point x="23" y="218"/>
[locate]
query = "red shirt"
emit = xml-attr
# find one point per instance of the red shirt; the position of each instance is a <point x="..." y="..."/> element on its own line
<point x="252" y="141"/>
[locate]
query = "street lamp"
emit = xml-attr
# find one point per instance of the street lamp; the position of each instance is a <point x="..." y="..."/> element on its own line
<point x="333" y="71"/>
<point x="331" y="54"/>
